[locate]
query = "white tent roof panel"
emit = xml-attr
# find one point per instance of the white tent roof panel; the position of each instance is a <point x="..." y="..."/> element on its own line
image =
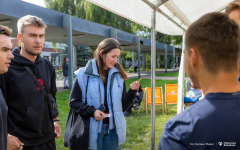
<point x="184" y="12"/>
<point x="194" y="9"/>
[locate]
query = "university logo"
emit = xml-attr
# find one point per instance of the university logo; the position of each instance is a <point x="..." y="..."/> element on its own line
<point x="220" y="143"/>
<point x="172" y="93"/>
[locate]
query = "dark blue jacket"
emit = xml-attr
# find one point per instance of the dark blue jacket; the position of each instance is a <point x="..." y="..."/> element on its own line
<point x="65" y="70"/>
<point x="212" y="123"/>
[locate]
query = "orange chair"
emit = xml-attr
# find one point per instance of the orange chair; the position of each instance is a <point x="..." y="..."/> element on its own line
<point x="188" y="104"/>
<point x="171" y="91"/>
<point x="158" y="98"/>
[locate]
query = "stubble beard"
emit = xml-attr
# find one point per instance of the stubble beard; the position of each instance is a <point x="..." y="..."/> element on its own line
<point x="33" y="53"/>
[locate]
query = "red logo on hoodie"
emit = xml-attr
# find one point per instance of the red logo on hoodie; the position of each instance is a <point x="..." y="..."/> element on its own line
<point x="41" y="82"/>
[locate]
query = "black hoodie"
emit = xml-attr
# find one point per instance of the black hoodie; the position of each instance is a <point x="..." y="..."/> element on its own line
<point x="3" y="118"/>
<point x="28" y="112"/>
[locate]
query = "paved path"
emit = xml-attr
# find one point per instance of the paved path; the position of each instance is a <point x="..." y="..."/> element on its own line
<point x="144" y="75"/>
<point x="147" y="75"/>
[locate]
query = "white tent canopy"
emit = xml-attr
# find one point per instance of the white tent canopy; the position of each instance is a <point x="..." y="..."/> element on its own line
<point x="183" y="12"/>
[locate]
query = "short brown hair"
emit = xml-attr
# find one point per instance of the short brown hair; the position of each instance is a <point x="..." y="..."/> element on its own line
<point x="217" y="39"/>
<point x="234" y="5"/>
<point x="30" y="20"/>
<point x="5" y="30"/>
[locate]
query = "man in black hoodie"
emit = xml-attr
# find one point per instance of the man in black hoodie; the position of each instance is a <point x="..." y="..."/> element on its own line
<point x="5" y="59"/>
<point x="28" y="112"/>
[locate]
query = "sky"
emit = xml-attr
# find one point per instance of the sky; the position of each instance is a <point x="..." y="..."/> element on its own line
<point x="36" y="2"/>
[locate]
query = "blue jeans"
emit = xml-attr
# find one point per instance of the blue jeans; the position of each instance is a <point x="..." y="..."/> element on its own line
<point x="65" y="82"/>
<point x="192" y="100"/>
<point x="107" y="141"/>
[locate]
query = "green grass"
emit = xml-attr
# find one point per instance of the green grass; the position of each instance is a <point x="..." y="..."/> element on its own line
<point x="170" y="74"/>
<point x="139" y="129"/>
<point x="62" y="102"/>
<point x="138" y="125"/>
<point x="131" y="70"/>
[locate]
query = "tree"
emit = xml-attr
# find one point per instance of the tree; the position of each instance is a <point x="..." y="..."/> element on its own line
<point x="91" y="12"/>
<point x="145" y="32"/>
<point x="125" y="55"/>
<point x="83" y="55"/>
<point x="64" y="52"/>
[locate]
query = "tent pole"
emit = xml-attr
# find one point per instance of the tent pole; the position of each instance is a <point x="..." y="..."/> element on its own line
<point x="174" y="58"/>
<point x="67" y="23"/>
<point x="137" y="40"/>
<point x="161" y="12"/>
<point x="181" y="77"/>
<point x="153" y="71"/>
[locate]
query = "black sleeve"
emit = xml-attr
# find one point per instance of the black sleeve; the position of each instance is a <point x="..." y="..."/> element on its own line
<point x="53" y="89"/>
<point x="75" y="102"/>
<point x="2" y="85"/>
<point x="127" y="97"/>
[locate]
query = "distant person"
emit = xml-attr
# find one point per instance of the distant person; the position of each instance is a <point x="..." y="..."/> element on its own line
<point x="136" y="102"/>
<point x="135" y="66"/>
<point x="211" y="60"/>
<point x="29" y="113"/>
<point x="130" y="64"/>
<point x="65" y="72"/>
<point x="103" y="81"/>
<point x="5" y="59"/>
<point x="193" y="94"/>
<point x="233" y="11"/>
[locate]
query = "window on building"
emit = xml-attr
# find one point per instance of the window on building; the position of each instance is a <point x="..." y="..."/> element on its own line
<point x="53" y="60"/>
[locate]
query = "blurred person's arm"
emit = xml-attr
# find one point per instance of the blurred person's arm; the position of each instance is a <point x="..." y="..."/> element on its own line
<point x="127" y="97"/>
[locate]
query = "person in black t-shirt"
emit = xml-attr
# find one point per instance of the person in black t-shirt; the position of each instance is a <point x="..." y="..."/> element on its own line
<point x="5" y="59"/>
<point x="211" y="60"/>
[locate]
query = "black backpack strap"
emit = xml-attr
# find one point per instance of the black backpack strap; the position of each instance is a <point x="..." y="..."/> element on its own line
<point x="36" y="81"/>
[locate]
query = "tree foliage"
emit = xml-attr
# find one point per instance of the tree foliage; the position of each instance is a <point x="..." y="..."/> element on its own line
<point x="88" y="11"/>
